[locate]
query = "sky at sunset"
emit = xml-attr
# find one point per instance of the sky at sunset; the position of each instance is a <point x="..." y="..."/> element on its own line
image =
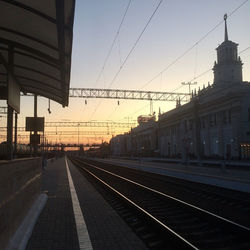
<point x="176" y="26"/>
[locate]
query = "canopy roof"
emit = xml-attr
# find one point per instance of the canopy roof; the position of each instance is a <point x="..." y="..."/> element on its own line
<point x="39" y="33"/>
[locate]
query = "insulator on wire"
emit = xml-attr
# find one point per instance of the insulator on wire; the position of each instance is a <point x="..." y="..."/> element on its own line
<point x="49" y="106"/>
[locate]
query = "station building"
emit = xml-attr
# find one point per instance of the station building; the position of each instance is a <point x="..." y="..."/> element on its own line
<point x="215" y="124"/>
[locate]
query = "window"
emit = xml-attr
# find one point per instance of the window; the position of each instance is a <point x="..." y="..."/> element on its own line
<point x="229" y="116"/>
<point x="167" y="130"/>
<point x="235" y="54"/>
<point x="185" y="125"/>
<point x="224" y="117"/>
<point x="203" y="122"/>
<point x="213" y="120"/>
<point x="190" y="124"/>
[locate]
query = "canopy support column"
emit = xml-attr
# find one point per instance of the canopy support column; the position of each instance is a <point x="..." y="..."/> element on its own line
<point x="35" y="131"/>
<point x="15" y="136"/>
<point x="10" y="133"/>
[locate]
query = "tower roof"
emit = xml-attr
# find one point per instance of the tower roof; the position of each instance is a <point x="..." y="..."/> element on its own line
<point x="226" y="34"/>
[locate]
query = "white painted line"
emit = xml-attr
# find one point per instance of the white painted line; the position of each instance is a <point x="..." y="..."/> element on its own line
<point x="82" y="231"/>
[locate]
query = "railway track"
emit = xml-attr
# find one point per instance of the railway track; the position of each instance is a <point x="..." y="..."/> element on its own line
<point x="227" y="203"/>
<point x="176" y="223"/>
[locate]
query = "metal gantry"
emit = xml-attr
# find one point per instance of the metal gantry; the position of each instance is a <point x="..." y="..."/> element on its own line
<point x="108" y="124"/>
<point x="68" y="145"/>
<point x="128" y="94"/>
<point x="64" y="133"/>
<point x="104" y="124"/>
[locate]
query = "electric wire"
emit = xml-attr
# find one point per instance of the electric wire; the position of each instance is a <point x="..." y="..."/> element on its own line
<point x="115" y="109"/>
<point x="179" y="57"/>
<point x="113" y="43"/>
<point x="131" y="50"/>
<point x="194" y="78"/>
<point x="136" y="111"/>
<point x="244" y="50"/>
<point x="109" y="53"/>
<point x="190" y="48"/>
<point x="208" y="70"/>
<point x="195" y="60"/>
<point x="135" y="44"/>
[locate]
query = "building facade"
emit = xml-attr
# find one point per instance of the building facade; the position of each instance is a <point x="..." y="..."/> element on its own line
<point x="215" y="123"/>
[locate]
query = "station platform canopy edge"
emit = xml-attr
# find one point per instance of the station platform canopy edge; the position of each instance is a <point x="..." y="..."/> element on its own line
<point x="36" y="46"/>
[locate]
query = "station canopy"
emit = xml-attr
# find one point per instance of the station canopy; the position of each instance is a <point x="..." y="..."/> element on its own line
<point x="36" y="45"/>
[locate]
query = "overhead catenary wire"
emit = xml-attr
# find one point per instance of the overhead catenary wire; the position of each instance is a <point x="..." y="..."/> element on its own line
<point x="109" y="53"/>
<point x="136" y="111"/>
<point x="244" y="50"/>
<point x="110" y="115"/>
<point x="194" y="78"/>
<point x="113" y="43"/>
<point x="195" y="60"/>
<point x="191" y="47"/>
<point x="132" y="49"/>
<point x="135" y="44"/>
<point x="183" y="54"/>
<point x="208" y="70"/>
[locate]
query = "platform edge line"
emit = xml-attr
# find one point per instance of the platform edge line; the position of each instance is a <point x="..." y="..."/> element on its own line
<point x="81" y="227"/>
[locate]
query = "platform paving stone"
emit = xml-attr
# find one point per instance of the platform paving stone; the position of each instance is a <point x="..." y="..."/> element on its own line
<point x="56" y="229"/>
<point x="106" y="228"/>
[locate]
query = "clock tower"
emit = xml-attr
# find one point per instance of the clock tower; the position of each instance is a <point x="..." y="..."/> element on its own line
<point x="228" y="68"/>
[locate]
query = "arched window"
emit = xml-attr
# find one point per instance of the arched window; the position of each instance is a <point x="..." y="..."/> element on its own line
<point x="230" y="54"/>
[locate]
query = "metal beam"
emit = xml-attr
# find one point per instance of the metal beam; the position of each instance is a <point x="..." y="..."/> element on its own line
<point x="91" y="124"/>
<point x="105" y="124"/>
<point x="67" y="133"/>
<point x="128" y="94"/>
<point x="71" y="145"/>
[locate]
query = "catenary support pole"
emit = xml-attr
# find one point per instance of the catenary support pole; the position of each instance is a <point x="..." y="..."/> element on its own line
<point x="15" y="136"/>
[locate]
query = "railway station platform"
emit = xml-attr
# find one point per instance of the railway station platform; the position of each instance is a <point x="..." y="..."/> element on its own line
<point x="76" y="216"/>
<point x="235" y="176"/>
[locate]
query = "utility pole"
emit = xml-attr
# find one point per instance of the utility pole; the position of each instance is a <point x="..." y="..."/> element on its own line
<point x="189" y="85"/>
<point x="151" y="107"/>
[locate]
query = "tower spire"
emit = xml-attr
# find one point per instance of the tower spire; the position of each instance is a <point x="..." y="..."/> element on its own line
<point x="226" y="35"/>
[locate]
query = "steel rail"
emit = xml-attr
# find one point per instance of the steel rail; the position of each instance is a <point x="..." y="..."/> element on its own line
<point x="173" y="198"/>
<point x="142" y="210"/>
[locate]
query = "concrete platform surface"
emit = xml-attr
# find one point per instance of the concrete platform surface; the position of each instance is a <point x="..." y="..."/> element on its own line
<point x="56" y="227"/>
<point x="227" y="177"/>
